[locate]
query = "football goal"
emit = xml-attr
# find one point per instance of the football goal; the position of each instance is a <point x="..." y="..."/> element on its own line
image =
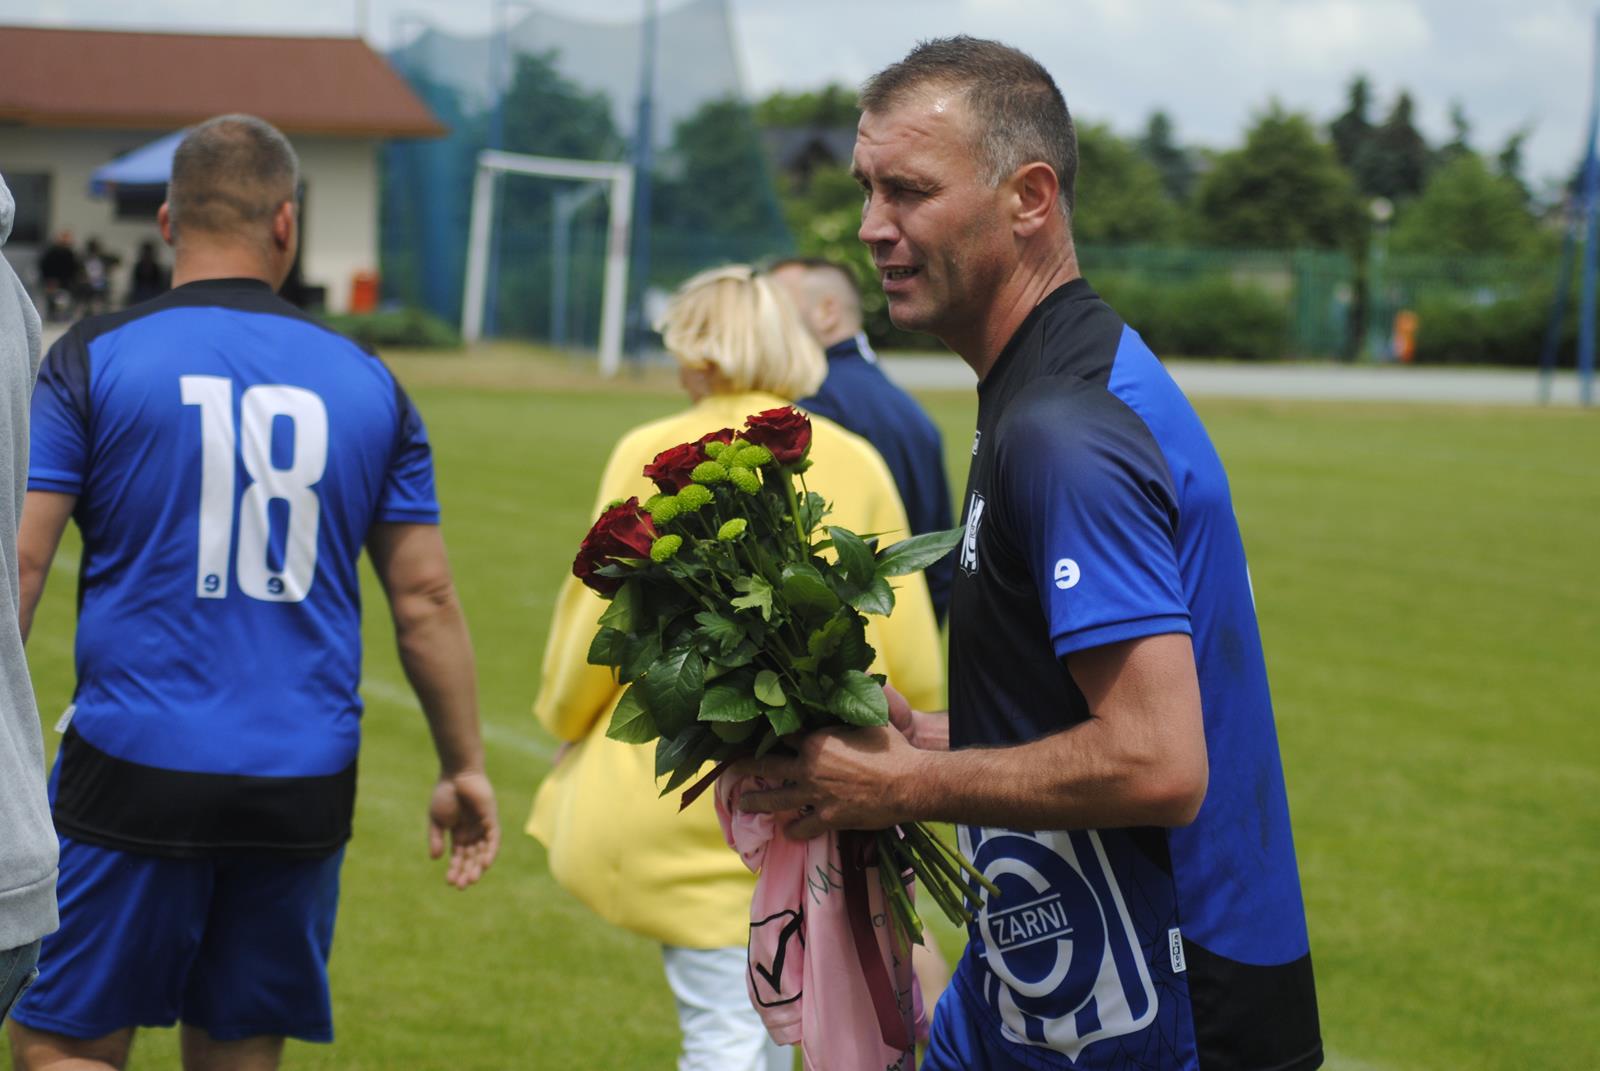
<point x="615" y="178"/>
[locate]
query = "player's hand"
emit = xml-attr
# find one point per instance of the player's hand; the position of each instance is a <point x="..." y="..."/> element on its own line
<point x="463" y="806"/>
<point x="841" y="779"/>
<point x="930" y="732"/>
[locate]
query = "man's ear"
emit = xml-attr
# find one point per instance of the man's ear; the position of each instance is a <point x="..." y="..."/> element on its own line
<point x="1036" y="192"/>
<point x="164" y="222"/>
<point x="826" y="314"/>
<point x="283" y="224"/>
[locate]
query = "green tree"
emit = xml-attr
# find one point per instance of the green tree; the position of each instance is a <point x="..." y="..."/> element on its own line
<point x="832" y="105"/>
<point x="1120" y="195"/>
<point x="1394" y="161"/>
<point x="1353" y="129"/>
<point x="546" y="114"/>
<point x="1459" y="144"/>
<point x="1283" y="188"/>
<point x="1173" y="161"/>
<point x="1467" y="209"/>
<point x="1508" y="164"/>
<point x="714" y="193"/>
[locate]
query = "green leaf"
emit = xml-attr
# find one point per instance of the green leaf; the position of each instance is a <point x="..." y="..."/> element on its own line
<point x="858" y="700"/>
<point x="607" y="647"/>
<point x="672" y="688"/>
<point x="824" y="641"/>
<point x="785" y="720"/>
<point x="724" y="633"/>
<point x="735" y="732"/>
<point x="769" y="690"/>
<point x="813" y="507"/>
<point x="758" y="595"/>
<point x="698" y="756"/>
<point x="638" y="655"/>
<point x="672" y="751"/>
<point x="631" y="722"/>
<point x="624" y="612"/>
<point x="918" y="552"/>
<point x="877" y="599"/>
<point x="804" y="589"/>
<point x="730" y="700"/>
<point x="741" y="655"/>
<point x="854" y="650"/>
<point x="855" y="558"/>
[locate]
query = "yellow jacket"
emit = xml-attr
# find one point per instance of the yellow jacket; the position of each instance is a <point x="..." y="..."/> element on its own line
<point x="613" y="842"/>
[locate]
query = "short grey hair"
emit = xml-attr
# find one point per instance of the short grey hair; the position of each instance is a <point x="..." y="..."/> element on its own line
<point x="1018" y="114"/>
<point x="229" y="175"/>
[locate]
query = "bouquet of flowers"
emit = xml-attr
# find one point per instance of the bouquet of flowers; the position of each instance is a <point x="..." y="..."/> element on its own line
<point x="734" y="631"/>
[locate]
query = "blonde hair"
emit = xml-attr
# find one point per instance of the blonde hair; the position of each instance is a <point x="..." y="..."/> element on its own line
<point x="741" y="324"/>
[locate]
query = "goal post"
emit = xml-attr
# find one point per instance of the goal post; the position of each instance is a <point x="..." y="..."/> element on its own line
<point x="618" y="177"/>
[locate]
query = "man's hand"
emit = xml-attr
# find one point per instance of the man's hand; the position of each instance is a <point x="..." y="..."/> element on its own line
<point x="930" y="732"/>
<point x="464" y="807"/>
<point x="842" y="779"/>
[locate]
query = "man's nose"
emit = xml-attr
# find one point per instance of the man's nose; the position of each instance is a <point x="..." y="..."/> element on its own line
<point x="877" y="223"/>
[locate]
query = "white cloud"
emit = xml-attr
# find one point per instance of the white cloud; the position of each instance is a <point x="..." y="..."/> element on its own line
<point x="1209" y="63"/>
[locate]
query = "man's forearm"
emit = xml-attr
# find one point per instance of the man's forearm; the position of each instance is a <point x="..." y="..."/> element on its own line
<point x="1081" y="778"/>
<point x="436" y="653"/>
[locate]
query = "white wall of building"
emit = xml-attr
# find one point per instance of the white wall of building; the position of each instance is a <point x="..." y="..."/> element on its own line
<point x="340" y="225"/>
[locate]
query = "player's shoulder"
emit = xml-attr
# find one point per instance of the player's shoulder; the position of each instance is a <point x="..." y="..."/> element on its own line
<point x="1061" y="410"/>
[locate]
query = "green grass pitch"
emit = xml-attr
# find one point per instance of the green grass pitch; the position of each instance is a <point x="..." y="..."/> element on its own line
<point x="1426" y="585"/>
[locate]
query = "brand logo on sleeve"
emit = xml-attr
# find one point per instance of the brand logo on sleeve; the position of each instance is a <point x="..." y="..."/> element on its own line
<point x="1067" y="574"/>
<point x="969" y="544"/>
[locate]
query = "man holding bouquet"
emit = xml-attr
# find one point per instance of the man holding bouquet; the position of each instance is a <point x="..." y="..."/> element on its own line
<point x="1110" y="753"/>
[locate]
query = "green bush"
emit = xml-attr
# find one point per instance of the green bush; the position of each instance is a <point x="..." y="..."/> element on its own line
<point x="395" y="329"/>
<point x="1458" y="330"/>
<point x="1210" y="317"/>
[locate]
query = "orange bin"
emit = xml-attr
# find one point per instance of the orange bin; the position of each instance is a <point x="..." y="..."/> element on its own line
<point x="364" y="292"/>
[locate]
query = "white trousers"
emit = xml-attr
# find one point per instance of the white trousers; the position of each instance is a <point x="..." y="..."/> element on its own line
<point x="721" y="1031"/>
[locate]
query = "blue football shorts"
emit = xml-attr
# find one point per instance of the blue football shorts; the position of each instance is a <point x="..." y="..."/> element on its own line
<point x="236" y="946"/>
<point x="964" y="1038"/>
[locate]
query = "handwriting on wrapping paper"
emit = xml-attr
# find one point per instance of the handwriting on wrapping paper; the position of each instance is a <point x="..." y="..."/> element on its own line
<point x="823" y="880"/>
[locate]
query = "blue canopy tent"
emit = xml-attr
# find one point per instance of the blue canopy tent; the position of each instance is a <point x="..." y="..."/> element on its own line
<point x="148" y="167"/>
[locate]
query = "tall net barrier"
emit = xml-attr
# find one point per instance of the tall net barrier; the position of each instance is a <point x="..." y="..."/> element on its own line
<point x="556" y="86"/>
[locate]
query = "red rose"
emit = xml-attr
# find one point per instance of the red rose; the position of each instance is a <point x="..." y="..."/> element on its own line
<point x="672" y="467"/>
<point x="786" y="432"/>
<point x="623" y="531"/>
<point x="726" y="435"/>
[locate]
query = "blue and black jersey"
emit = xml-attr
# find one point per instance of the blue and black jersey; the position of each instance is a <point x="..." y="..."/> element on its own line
<point x="229" y="456"/>
<point x="1097" y="512"/>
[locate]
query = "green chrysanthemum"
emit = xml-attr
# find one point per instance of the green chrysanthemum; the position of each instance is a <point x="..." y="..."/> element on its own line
<point x="651" y="502"/>
<point x="709" y="472"/>
<point x="613" y="504"/>
<point x="753" y="457"/>
<point x="665" y="548"/>
<point x="730" y="531"/>
<point x="663" y="508"/>
<point x="714" y="449"/>
<point x="744" y="480"/>
<point x="694" y="497"/>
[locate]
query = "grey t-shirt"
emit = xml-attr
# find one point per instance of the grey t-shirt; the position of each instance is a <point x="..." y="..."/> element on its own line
<point x="27" y="837"/>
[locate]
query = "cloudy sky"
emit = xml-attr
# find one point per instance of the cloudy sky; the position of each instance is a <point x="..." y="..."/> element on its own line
<point x="1209" y="63"/>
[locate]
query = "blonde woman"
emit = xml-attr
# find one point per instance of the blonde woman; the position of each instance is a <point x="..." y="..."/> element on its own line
<point x="629" y="855"/>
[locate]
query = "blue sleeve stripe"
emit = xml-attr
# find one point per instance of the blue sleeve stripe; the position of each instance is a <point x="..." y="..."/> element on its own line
<point x="1138" y="629"/>
<point x="58" y="480"/>
<point x="407" y="515"/>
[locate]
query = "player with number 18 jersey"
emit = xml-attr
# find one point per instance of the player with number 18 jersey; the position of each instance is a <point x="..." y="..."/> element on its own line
<point x="228" y="456"/>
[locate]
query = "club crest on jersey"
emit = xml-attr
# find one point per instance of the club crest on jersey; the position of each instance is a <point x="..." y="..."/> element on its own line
<point x="1068" y="966"/>
<point x="969" y="543"/>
